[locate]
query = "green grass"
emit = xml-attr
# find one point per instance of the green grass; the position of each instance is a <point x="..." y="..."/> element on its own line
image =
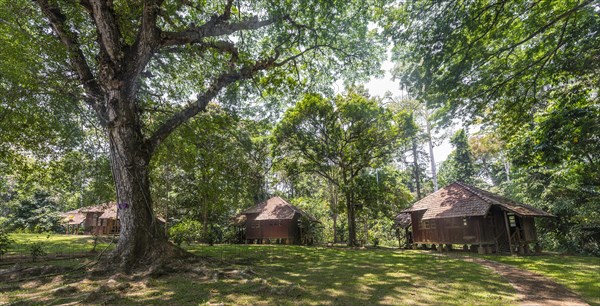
<point x="357" y="277"/>
<point x="293" y="275"/>
<point x="56" y="243"/>
<point x="579" y="273"/>
<point x="290" y="275"/>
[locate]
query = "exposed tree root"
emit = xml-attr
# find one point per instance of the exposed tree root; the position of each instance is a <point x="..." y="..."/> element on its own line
<point x="154" y="258"/>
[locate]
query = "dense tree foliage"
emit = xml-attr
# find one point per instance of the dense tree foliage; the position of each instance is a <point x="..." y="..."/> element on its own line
<point x="210" y="168"/>
<point x="459" y="166"/>
<point x="338" y="139"/>
<point x="35" y="215"/>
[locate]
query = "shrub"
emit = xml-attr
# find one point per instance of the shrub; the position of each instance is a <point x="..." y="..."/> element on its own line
<point x="186" y="231"/>
<point x="36" y="250"/>
<point x="5" y="242"/>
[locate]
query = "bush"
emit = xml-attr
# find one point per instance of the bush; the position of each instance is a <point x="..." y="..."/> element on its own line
<point x="5" y="242"/>
<point x="36" y="250"/>
<point x="186" y="231"/>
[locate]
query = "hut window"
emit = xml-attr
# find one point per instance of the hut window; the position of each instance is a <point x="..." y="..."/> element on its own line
<point x="512" y="221"/>
<point x="428" y="224"/>
<point x="255" y="224"/>
<point x="465" y="221"/>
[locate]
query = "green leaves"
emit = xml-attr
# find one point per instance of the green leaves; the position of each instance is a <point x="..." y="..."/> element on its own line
<point x="494" y="59"/>
<point x="347" y="133"/>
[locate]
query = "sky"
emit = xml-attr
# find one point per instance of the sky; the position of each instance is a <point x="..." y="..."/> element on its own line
<point x="378" y="87"/>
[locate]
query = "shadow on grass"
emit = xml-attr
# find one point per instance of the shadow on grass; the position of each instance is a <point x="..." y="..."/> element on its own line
<point x="298" y="275"/>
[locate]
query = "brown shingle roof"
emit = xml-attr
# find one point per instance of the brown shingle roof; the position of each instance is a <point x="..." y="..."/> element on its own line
<point x="108" y="210"/>
<point x="402" y="220"/>
<point x="462" y="200"/>
<point x="276" y="208"/>
<point x="71" y="217"/>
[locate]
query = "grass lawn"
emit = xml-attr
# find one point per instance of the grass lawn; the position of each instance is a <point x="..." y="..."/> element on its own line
<point x="56" y="243"/>
<point x="291" y="275"/>
<point x="284" y="275"/>
<point x="579" y="273"/>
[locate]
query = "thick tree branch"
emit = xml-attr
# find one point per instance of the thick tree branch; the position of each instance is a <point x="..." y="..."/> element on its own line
<point x="147" y="39"/>
<point x="219" y="83"/>
<point x="78" y="62"/>
<point x="107" y="27"/>
<point x="213" y="28"/>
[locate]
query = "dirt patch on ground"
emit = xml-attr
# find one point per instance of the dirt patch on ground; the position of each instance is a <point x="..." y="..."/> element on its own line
<point x="532" y="288"/>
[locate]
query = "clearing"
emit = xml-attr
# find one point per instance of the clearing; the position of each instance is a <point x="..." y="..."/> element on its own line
<point x="284" y="275"/>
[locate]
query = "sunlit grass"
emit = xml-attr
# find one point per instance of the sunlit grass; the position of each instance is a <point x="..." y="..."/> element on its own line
<point x="358" y="277"/>
<point x="57" y="243"/>
<point x="291" y="275"/>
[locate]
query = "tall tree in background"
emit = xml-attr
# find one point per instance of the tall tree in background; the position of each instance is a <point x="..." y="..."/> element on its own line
<point x="463" y="158"/>
<point x="338" y="139"/>
<point x="420" y="132"/>
<point x="489" y="158"/>
<point x="459" y="164"/>
<point x="145" y="68"/>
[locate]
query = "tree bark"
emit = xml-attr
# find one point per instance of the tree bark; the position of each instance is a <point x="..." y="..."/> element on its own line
<point x="416" y="170"/>
<point x="351" y="213"/>
<point x="334" y="206"/>
<point x="431" y="156"/>
<point x="141" y="236"/>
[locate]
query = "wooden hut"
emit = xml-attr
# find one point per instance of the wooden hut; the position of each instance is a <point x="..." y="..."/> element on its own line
<point x="99" y="219"/>
<point x="274" y="220"/>
<point x="466" y="215"/>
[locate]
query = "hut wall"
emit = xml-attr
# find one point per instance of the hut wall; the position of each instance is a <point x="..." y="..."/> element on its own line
<point x="293" y="230"/>
<point x="451" y="230"/>
<point x="253" y="227"/>
<point x="528" y="229"/>
<point x="276" y="229"/>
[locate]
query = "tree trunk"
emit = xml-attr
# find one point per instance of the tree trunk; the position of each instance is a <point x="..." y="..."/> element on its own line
<point x="141" y="238"/>
<point x="351" y="219"/>
<point x="416" y="166"/>
<point x="506" y="166"/>
<point x="335" y="240"/>
<point x="431" y="157"/>
<point x="334" y="205"/>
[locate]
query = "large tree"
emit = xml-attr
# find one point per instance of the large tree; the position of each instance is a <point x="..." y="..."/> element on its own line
<point x="144" y="68"/>
<point x="338" y="139"/>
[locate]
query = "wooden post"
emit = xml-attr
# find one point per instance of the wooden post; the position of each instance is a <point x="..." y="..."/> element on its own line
<point x="512" y="252"/>
<point x="481" y="249"/>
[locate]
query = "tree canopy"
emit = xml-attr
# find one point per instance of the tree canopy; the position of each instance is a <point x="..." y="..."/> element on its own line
<point x="338" y="139"/>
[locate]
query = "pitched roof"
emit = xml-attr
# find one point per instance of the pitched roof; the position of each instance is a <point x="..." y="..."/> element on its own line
<point x="402" y="220"/>
<point x="104" y="207"/>
<point x="276" y="208"/>
<point x="71" y="217"/>
<point x="462" y="200"/>
<point x="76" y="216"/>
